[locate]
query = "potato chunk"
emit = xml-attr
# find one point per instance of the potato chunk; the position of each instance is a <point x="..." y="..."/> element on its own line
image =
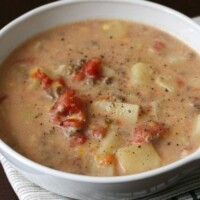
<point x="140" y="74"/>
<point x="166" y="83"/>
<point x="177" y="59"/>
<point x="194" y="83"/>
<point x="108" y="72"/>
<point x="114" y="29"/>
<point x="138" y="158"/>
<point x="121" y="111"/>
<point x="157" y="109"/>
<point x="109" y="144"/>
<point x="196" y="130"/>
<point x="97" y="169"/>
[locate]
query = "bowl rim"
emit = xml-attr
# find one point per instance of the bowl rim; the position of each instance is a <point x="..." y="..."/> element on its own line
<point x="96" y="179"/>
<point x="85" y="178"/>
<point x="56" y="4"/>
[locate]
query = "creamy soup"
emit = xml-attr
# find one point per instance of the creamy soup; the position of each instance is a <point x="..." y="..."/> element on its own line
<point x="101" y="98"/>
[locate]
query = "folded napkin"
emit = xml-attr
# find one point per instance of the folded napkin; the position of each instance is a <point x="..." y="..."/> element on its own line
<point x="187" y="189"/>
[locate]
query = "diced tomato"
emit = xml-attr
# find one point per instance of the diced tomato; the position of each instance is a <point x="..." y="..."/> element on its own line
<point x="67" y="111"/>
<point x="148" y="132"/>
<point x="107" y="159"/>
<point x="97" y="132"/>
<point x="57" y="84"/>
<point x="91" y="69"/>
<point x="119" y="122"/>
<point x="159" y="45"/>
<point x="77" y="122"/>
<point x="180" y="82"/>
<point x="45" y="80"/>
<point x="61" y="81"/>
<point x="79" y="76"/>
<point x="77" y="140"/>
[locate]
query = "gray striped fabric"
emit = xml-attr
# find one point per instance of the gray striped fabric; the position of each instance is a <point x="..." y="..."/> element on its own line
<point x="187" y="189"/>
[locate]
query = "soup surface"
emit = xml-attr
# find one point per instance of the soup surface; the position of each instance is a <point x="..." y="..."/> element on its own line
<point x="101" y="98"/>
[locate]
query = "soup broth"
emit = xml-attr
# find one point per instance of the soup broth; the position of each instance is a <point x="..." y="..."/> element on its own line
<point x="101" y="98"/>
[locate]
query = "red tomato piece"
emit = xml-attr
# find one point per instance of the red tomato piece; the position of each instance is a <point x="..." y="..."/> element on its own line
<point x="45" y="80"/>
<point x="107" y="159"/>
<point x="159" y="45"/>
<point x="180" y="83"/>
<point x="78" y="122"/>
<point x="77" y="140"/>
<point x="149" y="131"/>
<point x="97" y="132"/>
<point x="67" y="111"/>
<point x="93" y="68"/>
<point x="119" y="122"/>
<point x="79" y="76"/>
<point x="61" y="81"/>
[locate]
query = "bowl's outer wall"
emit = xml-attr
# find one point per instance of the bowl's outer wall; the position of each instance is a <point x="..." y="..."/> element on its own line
<point x="62" y="12"/>
<point x="100" y="191"/>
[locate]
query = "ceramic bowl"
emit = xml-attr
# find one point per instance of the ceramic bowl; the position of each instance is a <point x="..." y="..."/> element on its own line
<point x="86" y="187"/>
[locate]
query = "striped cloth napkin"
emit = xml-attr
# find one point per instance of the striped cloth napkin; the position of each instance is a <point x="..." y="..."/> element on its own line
<point x="186" y="189"/>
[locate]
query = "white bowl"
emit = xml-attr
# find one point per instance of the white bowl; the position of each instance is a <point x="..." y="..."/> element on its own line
<point x="98" y="188"/>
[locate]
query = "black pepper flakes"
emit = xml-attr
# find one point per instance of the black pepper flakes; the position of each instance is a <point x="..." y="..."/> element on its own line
<point x="169" y="143"/>
<point x="38" y="115"/>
